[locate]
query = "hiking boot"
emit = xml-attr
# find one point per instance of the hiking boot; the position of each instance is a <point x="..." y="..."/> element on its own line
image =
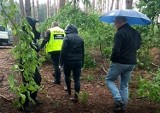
<point x="37" y="102"/>
<point x="119" y="107"/>
<point x="69" y="91"/>
<point x="65" y="88"/>
<point x="74" y="100"/>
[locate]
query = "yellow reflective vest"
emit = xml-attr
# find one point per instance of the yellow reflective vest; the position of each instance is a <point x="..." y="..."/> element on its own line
<point x="56" y="39"/>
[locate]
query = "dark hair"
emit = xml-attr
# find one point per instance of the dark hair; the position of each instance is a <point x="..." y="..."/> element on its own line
<point x="120" y="19"/>
<point x="55" y="24"/>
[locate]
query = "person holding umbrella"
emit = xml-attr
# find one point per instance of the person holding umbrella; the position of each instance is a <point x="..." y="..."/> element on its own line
<point x="126" y="43"/>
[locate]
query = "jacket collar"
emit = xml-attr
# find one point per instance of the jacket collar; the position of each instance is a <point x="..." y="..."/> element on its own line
<point x="124" y="25"/>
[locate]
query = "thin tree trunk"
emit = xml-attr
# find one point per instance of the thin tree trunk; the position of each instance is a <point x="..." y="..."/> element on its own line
<point x="48" y="8"/>
<point x="37" y="12"/>
<point x="129" y="4"/>
<point x="112" y="4"/>
<point x="28" y="7"/>
<point x="22" y="8"/>
<point x="33" y="9"/>
<point x="108" y="5"/>
<point x="61" y="3"/>
<point x="117" y="4"/>
<point x="93" y="4"/>
<point x="104" y="5"/>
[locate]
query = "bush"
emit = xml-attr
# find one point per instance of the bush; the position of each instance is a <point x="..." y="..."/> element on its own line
<point x="150" y="88"/>
<point x="89" y="61"/>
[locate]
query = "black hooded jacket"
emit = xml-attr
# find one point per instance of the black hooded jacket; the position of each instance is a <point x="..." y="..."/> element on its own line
<point x="73" y="46"/>
<point x="32" y="22"/>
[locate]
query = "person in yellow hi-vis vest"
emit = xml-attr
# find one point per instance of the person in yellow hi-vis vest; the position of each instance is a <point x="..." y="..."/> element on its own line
<point x="53" y="42"/>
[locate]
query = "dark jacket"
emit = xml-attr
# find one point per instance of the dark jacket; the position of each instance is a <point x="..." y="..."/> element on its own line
<point x="32" y="22"/>
<point x="73" y="46"/>
<point x="126" y="43"/>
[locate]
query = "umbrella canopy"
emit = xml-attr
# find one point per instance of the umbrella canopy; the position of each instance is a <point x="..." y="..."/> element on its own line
<point x="132" y="16"/>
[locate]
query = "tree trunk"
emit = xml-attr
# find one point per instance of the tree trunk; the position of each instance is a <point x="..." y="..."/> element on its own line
<point x="117" y="4"/>
<point x="33" y="9"/>
<point x="28" y="7"/>
<point x="93" y="4"/>
<point x="61" y="3"/>
<point x="37" y="11"/>
<point x="108" y="5"/>
<point x="104" y="5"/>
<point x="55" y="6"/>
<point x="22" y="8"/>
<point x="112" y="4"/>
<point x="129" y="4"/>
<point x="48" y="8"/>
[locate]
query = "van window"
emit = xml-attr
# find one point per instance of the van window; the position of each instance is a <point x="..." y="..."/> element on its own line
<point x="2" y="28"/>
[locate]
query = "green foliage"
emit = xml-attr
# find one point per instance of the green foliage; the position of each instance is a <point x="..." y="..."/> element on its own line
<point x="22" y="52"/>
<point x="150" y="7"/>
<point x="150" y="88"/>
<point x="96" y="34"/>
<point x="150" y="34"/>
<point x="90" y="78"/>
<point x="89" y="61"/>
<point x="83" y="97"/>
<point x="144" y="60"/>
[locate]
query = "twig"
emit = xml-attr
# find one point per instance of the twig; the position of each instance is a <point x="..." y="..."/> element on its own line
<point x="3" y="9"/>
<point x="155" y="65"/>
<point x="103" y="69"/>
<point x="5" y="97"/>
<point x="2" y="79"/>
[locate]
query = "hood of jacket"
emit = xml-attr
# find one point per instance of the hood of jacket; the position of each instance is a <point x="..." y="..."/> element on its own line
<point x="71" y="29"/>
<point x="32" y="22"/>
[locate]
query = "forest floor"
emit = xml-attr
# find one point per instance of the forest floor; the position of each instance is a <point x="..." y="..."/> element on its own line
<point x="56" y="100"/>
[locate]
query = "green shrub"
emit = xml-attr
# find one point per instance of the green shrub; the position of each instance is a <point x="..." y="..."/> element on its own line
<point x="89" y="61"/>
<point x="83" y="97"/>
<point x="150" y="88"/>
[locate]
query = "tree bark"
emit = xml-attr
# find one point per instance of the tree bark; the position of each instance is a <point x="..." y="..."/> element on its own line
<point x="112" y="4"/>
<point x="28" y="7"/>
<point x="108" y="5"/>
<point x="37" y="11"/>
<point x="22" y="8"/>
<point x="117" y="4"/>
<point x="61" y="3"/>
<point x="93" y="4"/>
<point x="48" y="8"/>
<point x="33" y="9"/>
<point x="129" y="4"/>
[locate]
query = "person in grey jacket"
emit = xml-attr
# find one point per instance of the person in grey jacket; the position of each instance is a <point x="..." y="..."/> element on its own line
<point x="72" y="58"/>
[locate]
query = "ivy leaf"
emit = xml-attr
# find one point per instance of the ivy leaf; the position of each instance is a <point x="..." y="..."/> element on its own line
<point x="22" y="98"/>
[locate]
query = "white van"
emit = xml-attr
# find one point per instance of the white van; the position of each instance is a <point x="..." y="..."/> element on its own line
<point x="5" y="35"/>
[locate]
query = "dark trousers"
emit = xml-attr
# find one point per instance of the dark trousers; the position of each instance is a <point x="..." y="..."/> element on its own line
<point x="37" y="79"/>
<point x="55" y="60"/>
<point x="75" y="68"/>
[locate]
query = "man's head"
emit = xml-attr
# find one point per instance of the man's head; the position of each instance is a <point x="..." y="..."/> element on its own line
<point x="70" y="28"/>
<point x="119" y="21"/>
<point x="54" y="24"/>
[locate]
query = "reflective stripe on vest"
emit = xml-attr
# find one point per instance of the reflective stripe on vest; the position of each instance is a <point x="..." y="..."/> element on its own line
<point x="56" y="39"/>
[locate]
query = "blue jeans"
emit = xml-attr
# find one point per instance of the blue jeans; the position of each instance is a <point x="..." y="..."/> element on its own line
<point x="123" y="71"/>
